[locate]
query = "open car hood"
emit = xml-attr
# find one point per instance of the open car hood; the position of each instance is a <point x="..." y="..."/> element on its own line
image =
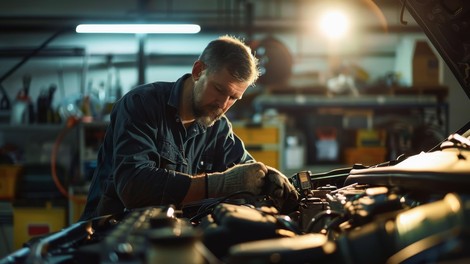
<point x="446" y="167"/>
<point x="447" y="25"/>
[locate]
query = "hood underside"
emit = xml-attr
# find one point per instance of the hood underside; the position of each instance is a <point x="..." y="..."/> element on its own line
<point x="447" y="25"/>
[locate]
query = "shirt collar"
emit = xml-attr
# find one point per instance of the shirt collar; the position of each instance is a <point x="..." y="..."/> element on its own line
<point x="174" y="100"/>
<point x="177" y="92"/>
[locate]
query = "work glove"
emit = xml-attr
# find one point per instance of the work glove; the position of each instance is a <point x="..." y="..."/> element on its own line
<point x="283" y="193"/>
<point x="243" y="177"/>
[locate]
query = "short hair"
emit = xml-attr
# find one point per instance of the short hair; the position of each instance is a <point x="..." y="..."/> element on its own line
<point x="233" y="54"/>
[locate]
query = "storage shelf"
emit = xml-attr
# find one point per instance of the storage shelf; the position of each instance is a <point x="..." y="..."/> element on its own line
<point x="396" y="115"/>
<point x="31" y="127"/>
<point x="371" y="101"/>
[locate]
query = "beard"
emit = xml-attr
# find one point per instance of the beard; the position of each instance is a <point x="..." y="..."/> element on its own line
<point x="206" y="115"/>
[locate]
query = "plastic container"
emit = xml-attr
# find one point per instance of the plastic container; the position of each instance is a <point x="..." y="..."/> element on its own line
<point x="8" y="177"/>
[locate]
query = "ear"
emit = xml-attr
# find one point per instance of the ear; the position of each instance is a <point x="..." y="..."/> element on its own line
<point x="198" y="68"/>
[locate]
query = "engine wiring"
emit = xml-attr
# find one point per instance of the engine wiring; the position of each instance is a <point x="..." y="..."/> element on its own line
<point x="209" y="204"/>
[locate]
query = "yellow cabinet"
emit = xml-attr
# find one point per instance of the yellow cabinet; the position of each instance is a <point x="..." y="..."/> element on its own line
<point x="264" y="141"/>
<point x="30" y="222"/>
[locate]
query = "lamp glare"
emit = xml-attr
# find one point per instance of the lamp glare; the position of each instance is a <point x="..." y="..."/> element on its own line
<point x="334" y="24"/>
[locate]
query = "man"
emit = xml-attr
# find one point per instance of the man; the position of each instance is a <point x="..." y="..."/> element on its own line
<point x="170" y="142"/>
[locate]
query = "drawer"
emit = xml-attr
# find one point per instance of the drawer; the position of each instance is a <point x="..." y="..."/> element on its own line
<point x="365" y="155"/>
<point x="258" y="135"/>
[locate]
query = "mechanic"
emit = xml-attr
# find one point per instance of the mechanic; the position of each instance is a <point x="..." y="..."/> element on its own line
<point x="171" y="143"/>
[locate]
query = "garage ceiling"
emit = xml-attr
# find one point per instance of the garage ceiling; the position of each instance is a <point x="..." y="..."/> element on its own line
<point x="28" y="23"/>
<point x="22" y="16"/>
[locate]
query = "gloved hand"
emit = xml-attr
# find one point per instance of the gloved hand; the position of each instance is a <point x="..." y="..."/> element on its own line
<point x="283" y="193"/>
<point x="242" y="177"/>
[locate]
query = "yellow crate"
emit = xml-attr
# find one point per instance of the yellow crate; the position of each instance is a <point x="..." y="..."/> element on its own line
<point x="29" y="222"/>
<point x="8" y="176"/>
<point x="365" y="155"/>
<point x="371" y="138"/>
<point x="257" y="135"/>
<point x="77" y="208"/>
<point x="268" y="157"/>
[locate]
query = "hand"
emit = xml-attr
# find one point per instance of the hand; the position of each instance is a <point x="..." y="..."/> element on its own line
<point x="283" y="193"/>
<point x="243" y="177"/>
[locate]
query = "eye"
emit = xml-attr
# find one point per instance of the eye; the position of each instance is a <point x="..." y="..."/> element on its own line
<point x="219" y="89"/>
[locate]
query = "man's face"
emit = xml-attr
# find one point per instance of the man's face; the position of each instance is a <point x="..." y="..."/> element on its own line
<point x="214" y="94"/>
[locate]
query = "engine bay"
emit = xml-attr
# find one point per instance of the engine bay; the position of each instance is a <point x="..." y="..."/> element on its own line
<point x="411" y="210"/>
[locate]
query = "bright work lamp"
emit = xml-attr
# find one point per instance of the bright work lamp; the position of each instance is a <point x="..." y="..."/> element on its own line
<point x="334" y="24"/>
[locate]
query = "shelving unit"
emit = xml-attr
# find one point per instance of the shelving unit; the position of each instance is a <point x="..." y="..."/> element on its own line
<point x="76" y="156"/>
<point x="91" y="134"/>
<point x="37" y="205"/>
<point x="35" y="142"/>
<point x="347" y="115"/>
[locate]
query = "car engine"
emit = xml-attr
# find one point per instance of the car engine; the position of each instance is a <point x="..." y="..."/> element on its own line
<point x="410" y="210"/>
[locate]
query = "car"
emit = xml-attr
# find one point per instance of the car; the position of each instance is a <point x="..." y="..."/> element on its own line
<point x="413" y="209"/>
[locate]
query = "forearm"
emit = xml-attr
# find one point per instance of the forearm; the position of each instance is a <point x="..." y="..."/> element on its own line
<point x="151" y="186"/>
<point x="197" y="189"/>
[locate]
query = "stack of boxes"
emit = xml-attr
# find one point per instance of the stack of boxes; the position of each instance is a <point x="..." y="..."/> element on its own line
<point x="425" y="66"/>
<point x="24" y="220"/>
<point x="370" y="148"/>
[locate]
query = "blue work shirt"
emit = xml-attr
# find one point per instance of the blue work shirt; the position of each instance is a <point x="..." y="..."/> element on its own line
<point x="148" y="156"/>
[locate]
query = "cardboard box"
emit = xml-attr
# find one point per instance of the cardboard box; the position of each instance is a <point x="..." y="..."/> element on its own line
<point x="425" y="65"/>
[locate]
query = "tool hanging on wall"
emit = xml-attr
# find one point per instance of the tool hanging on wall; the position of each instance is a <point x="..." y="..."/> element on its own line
<point x="23" y="110"/>
<point x="45" y="113"/>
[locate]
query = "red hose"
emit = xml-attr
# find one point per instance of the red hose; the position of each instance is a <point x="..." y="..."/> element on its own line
<point x="71" y="122"/>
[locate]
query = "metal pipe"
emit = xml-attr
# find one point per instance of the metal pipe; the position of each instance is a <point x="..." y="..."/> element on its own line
<point x="141" y="60"/>
<point x="32" y="54"/>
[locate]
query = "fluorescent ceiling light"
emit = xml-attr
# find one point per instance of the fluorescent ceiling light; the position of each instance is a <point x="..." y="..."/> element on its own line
<point x="139" y="28"/>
